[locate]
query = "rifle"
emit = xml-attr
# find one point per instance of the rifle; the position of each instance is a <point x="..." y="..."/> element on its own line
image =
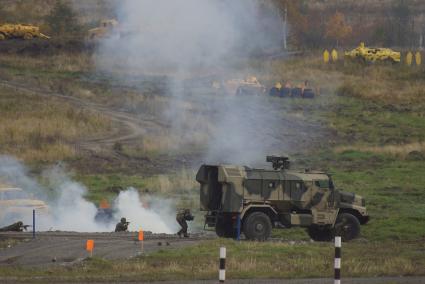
<point x="26" y="227"/>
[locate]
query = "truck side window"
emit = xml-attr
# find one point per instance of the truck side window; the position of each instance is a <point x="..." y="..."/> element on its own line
<point x="322" y="183"/>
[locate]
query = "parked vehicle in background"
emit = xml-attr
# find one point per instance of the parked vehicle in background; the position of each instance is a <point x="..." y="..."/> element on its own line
<point x="27" y="32"/>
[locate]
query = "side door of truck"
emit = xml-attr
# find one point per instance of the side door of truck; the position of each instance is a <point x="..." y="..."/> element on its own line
<point x="322" y="202"/>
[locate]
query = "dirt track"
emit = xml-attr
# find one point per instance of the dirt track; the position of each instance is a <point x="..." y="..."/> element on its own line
<point x="126" y="128"/>
<point x="67" y="248"/>
<point x="130" y="127"/>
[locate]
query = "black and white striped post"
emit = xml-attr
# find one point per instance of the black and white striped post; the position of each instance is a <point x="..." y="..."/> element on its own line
<point x="222" y="271"/>
<point x="337" y="264"/>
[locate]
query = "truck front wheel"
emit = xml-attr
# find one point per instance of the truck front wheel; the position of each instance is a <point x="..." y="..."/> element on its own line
<point x="257" y="226"/>
<point x="320" y="234"/>
<point x="347" y="226"/>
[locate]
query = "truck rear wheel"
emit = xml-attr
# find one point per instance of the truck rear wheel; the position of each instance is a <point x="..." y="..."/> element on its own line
<point x="347" y="226"/>
<point x="257" y="226"/>
<point x="320" y="234"/>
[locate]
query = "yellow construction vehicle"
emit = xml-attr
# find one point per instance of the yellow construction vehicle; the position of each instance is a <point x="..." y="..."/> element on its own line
<point x="105" y="29"/>
<point x="374" y="54"/>
<point x="10" y="31"/>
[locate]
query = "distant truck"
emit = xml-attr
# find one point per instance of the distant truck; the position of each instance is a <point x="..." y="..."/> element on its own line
<point x="11" y="31"/>
<point x="277" y="198"/>
<point x="17" y="205"/>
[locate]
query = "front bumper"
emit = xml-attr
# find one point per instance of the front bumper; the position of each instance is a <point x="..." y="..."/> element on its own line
<point x="364" y="219"/>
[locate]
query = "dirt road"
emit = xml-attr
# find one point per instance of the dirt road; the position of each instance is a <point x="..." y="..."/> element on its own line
<point x="67" y="248"/>
<point x="127" y="126"/>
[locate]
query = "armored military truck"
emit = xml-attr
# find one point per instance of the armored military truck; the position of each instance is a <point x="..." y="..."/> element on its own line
<point x="277" y="198"/>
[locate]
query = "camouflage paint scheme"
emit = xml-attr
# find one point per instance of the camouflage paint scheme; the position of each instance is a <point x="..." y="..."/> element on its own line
<point x="291" y="198"/>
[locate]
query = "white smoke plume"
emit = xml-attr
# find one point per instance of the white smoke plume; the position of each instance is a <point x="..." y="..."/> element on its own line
<point x="68" y="210"/>
<point x="187" y="36"/>
<point x="190" y="40"/>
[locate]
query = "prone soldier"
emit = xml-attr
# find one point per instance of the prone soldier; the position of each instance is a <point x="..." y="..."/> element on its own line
<point x="182" y="217"/>
<point x="15" y="227"/>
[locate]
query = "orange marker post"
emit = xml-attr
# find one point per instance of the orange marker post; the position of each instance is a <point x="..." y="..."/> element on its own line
<point x="90" y="247"/>
<point x="141" y="238"/>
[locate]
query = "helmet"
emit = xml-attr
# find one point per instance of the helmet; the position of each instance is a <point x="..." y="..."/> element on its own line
<point x="123" y="220"/>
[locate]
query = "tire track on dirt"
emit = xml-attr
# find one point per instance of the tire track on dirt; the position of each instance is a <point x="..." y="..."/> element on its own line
<point x="130" y="128"/>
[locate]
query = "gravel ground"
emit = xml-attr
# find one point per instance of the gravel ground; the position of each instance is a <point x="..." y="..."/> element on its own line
<point x="66" y="248"/>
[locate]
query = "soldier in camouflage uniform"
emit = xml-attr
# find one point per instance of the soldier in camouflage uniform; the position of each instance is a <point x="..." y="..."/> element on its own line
<point x="122" y="226"/>
<point x="15" y="227"/>
<point x="181" y="218"/>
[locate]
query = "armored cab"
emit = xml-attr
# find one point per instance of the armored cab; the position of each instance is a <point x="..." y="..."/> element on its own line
<point x="277" y="198"/>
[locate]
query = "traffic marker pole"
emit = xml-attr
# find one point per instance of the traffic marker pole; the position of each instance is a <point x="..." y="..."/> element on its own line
<point x="141" y="238"/>
<point x="90" y="247"/>
<point x="222" y="271"/>
<point x="238" y="227"/>
<point x="33" y="223"/>
<point x="337" y="264"/>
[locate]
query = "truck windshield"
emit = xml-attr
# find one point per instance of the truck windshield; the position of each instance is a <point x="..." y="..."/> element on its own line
<point x="322" y="183"/>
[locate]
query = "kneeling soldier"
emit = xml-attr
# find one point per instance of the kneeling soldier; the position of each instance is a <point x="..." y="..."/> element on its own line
<point x="122" y="226"/>
<point x="181" y="218"/>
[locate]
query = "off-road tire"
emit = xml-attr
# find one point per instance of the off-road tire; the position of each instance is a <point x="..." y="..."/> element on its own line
<point x="285" y="92"/>
<point x="347" y="226"/>
<point x="308" y="94"/>
<point x="320" y="234"/>
<point x="257" y="226"/>
<point x="274" y="92"/>
<point x="224" y="228"/>
<point x="296" y="93"/>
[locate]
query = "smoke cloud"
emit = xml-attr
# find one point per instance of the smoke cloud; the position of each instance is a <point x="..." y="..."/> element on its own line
<point x="193" y="39"/>
<point x="68" y="210"/>
<point x="190" y="35"/>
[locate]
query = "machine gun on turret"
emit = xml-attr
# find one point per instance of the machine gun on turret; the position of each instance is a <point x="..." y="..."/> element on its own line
<point x="279" y="162"/>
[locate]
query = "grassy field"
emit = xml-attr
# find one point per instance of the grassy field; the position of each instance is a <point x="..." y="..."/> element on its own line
<point x="244" y="260"/>
<point x="37" y="129"/>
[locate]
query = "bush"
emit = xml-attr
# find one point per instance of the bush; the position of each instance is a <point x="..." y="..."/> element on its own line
<point x="63" y="21"/>
<point x="348" y="89"/>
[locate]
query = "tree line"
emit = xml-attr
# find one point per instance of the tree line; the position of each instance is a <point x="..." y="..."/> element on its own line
<point x="395" y="25"/>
